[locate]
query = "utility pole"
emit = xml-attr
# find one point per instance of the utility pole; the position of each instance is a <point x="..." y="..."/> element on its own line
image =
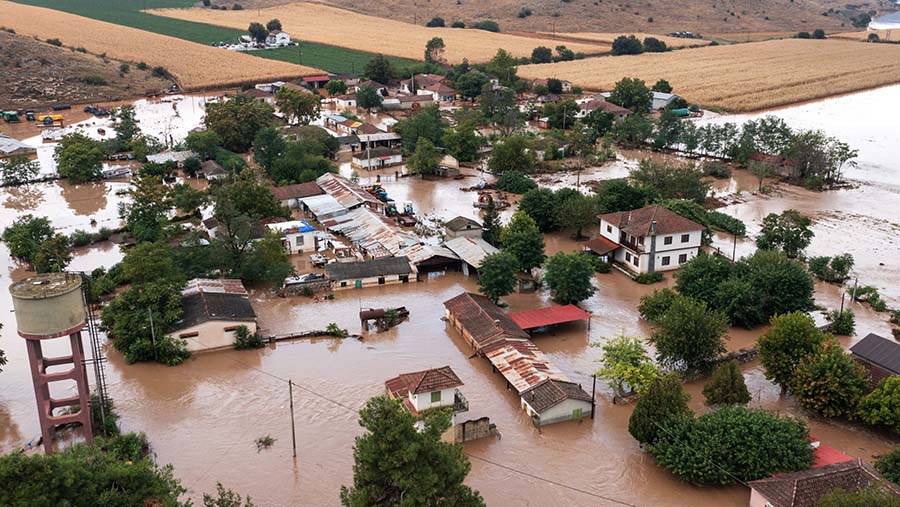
<point x="593" y="395"/>
<point x="734" y="248"/>
<point x="153" y="335"/>
<point x="293" y="428"/>
<point x="855" y="283"/>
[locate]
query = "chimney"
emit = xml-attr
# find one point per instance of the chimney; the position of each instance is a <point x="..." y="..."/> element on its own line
<point x="651" y="266"/>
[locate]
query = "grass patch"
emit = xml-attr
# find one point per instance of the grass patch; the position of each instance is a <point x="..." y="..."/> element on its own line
<point x="128" y="13"/>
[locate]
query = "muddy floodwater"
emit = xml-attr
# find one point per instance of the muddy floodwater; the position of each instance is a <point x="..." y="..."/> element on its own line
<point x="204" y="415"/>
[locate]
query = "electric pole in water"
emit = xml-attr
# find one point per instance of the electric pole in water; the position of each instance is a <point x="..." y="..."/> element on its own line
<point x="293" y="429"/>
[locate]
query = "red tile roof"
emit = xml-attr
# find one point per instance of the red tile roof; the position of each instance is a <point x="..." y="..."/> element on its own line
<point x="637" y="222"/>
<point x="807" y="487"/>
<point x="482" y="319"/>
<point x="601" y="245"/>
<point x="426" y="381"/>
<point x="530" y="319"/>
<point x="825" y="455"/>
<point x="297" y="191"/>
<point x="552" y="392"/>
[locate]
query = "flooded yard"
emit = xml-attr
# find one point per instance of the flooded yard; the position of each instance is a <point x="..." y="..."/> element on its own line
<point x="204" y="415"/>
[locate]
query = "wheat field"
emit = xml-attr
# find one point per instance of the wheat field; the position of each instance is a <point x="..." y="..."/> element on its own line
<point x="750" y="36"/>
<point x="887" y="35"/>
<point x="743" y="77"/>
<point x="194" y="66"/>
<point x="339" y="27"/>
<point x="608" y="38"/>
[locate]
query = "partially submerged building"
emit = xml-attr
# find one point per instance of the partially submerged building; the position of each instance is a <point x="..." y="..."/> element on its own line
<point x="377" y="158"/>
<point x="10" y="147"/>
<point x="297" y="236"/>
<point x="428" y="389"/>
<point x="356" y="275"/>
<point x="349" y="194"/>
<point x="807" y="487"/>
<point x="462" y="227"/>
<point x="213" y="311"/>
<point x="290" y="195"/>
<point x="879" y="356"/>
<point x="471" y="252"/>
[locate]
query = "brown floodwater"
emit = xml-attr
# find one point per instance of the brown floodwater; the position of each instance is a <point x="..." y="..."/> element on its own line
<point x="203" y="416"/>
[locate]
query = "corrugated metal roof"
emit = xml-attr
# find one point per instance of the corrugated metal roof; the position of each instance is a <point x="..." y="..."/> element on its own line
<point x="349" y="194"/>
<point x="213" y="286"/>
<point x="10" y="145"/>
<point x="471" y="250"/>
<point x="420" y="252"/>
<point x="323" y="205"/>
<point x="170" y="156"/>
<point x="530" y="319"/>
<point x="372" y="232"/>
<point x="878" y="350"/>
<point x="521" y="363"/>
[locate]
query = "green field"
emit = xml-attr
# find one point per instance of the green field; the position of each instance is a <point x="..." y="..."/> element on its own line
<point x="128" y="13"/>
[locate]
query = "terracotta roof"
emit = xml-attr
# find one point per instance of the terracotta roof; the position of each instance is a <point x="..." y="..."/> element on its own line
<point x="530" y="319"/>
<point x="483" y="320"/>
<point x="426" y="381"/>
<point x="415" y="98"/>
<point x="878" y="350"/>
<point x="606" y="106"/>
<point x="368" y="128"/>
<point x="805" y="488"/>
<point x="637" y="222"/>
<point x="459" y="223"/>
<point x="298" y="191"/>
<point x="441" y="89"/>
<point x="552" y="392"/>
<point x="601" y="245"/>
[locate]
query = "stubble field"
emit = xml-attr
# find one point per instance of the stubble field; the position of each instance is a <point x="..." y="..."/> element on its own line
<point x="743" y="77"/>
<point x="339" y="27"/>
<point x="194" y="66"/>
<point x="608" y="38"/>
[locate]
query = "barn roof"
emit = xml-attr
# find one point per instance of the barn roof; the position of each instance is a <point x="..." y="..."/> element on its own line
<point x="349" y="194"/>
<point x="368" y="269"/>
<point x="298" y="191"/>
<point x="471" y="250"/>
<point x="552" y="392"/>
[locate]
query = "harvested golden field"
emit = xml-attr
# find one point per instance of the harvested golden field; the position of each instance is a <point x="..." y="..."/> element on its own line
<point x="343" y="28"/>
<point x="889" y="35"/>
<point x="194" y="66"/>
<point x="750" y="36"/>
<point x="743" y="77"/>
<point x="608" y="38"/>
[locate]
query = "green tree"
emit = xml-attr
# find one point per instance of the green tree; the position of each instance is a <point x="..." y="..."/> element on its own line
<point x="471" y="83"/>
<point x="791" y="338"/>
<point x="148" y="262"/>
<point x="53" y="255"/>
<point x="273" y="24"/>
<point x="633" y="131"/>
<point x="145" y="215"/>
<point x="881" y="407"/>
<point x="298" y="107"/>
<point x="424" y="161"/>
<point x="654" y="306"/>
<point x="626" y="365"/>
<point x="368" y="98"/>
<point x="503" y="67"/>
<point x="395" y="464"/>
<point x="18" y="170"/>
<point x="523" y="240"/>
<point x="831" y="269"/>
<point x="841" y="322"/>
<point x="873" y="495"/>
<point x="620" y="195"/>
<point x="689" y="335"/>
<point x="79" y="158"/>
<point x="663" y="401"/>
<point x="542" y="205"/>
<point x="336" y="87"/>
<point x="226" y="497"/>
<point x="25" y="236"/>
<point x="560" y="115"/>
<point x="632" y="93"/>
<point x="889" y="465"/>
<point x="569" y="276"/>
<point x="541" y="54"/>
<point x="435" y="50"/>
<point x="497" y="275"/>
<point x="463" y="141"/>
<point x="733" y="444"/>
<point x="268" y="146"/>
<point x="265" y="261"/>
<point x="499" y="105"/>
<point x="577" y="214"/>
<point x="426" y="123"/>
<point x="788" y="232"/>
<point x="126" y="125"/>
<point x="250" y="197"/>
<point x="511" y="155"/>
<point x="672" y="181"/>
<point x="490" y="227"/>
<point x="258" y="32"/>
<point x="662" y="86"/>
<point x="515" y="182"/>
<point x="829" y="381"/>
<point x="379" y="69"/>
<point x="627" y="45"/>
<point x="238" y="119"/>
<point x="204" y="143"/>
<point x="727" y="386"/>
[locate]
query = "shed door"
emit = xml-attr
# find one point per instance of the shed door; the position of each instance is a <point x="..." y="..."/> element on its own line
<point x="576" y="413"/>
<point x="358" y="284"/>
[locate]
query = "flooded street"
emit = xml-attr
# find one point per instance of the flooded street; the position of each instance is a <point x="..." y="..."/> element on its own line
<point x="204" y="415"/>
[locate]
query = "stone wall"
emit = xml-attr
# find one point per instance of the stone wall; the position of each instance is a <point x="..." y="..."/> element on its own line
<point x="472" y="430"/>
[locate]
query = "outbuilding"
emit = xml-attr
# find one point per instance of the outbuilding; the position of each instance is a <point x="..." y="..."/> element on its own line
<point x="356" y="275"/>
<point x="212" y="311"/>
<point x="290" y="195"/>
<point x="377" y="158"/>
<point x="297" y="236"/>
<point x="462" y="227"/>
<point x="880" y="356"/>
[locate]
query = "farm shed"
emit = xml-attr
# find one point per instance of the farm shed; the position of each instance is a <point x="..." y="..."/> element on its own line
<point x="377" y="158"/>
<point x="356" y="275"/>
<point x="550" y="316"/>
<point x="322" y="207"/>
<point x="880" y="356"/>
<point x="349" y="194"/>
<point x="462" y="227"/>
<point x="10" y="147"/>
<point x="213" y="310"/>
<point x="472" y="251"/>
<point x="171" y="156"/>
<point x="480" y="321"/>
<point x="290" y="195"/>
<point x="374" y="234"/>
<point x="428" y="258"/>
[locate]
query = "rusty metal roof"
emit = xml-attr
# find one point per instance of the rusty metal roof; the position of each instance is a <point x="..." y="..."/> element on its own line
<point x="372" y="232"/>
<point x="419" y="253"/>
<point x="349" y="194"/>
<point x="522" y="364"/>
<point x="214" y="286"/>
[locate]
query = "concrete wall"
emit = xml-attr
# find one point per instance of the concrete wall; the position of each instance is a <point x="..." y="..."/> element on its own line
<point x="307" y="242"/>
<point x="470" y="430"/>
<point x="474" y="233"/>
<point x="370" y="282"/>
<point x="560" y="412"/>
<point x="757" y="500"/>
<point x="211" y="334"/>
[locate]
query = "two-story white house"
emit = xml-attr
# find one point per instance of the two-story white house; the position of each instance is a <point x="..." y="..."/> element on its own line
<point x="651" y="239"/>
<point x="428" y="389"/>
<point x="297" y="236"/>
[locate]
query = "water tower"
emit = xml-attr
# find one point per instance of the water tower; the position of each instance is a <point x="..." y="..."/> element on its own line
<point x="50" y="306"/>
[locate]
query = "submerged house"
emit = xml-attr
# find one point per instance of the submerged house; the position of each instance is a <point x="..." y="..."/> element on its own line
<point x="462" y="227"/>
<point x="297" y="236"/>
<point x="213" y="310"/>
<point x="651" y="239"/>
<point x="356" y="275"/>
<point x="806" y="487"/>
<point x="428" y="389"/>
<point x="471" y="251"/>
<point x="879" y="356"/>
<point x="290" y="195"/>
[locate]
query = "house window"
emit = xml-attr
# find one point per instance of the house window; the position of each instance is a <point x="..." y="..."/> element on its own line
<point x="380" y="280"/>
<point x="299" y="240"/>
<point x="577" y="413"/>
<point x="641" y="240"/>
<point x="665" y="260"/>
<point x="608" y="228"/>
<point x="667" y="240"/>
<point x="637" y="260"/>
<point x="404" y="278"/>
<point x="627" y="257"/>
<point x="436" y="397"/>
<point x="682" y="258"/>
<point x="343" y="284"/>
<point x="685" y="238"/>
<point x="230" y="328"/>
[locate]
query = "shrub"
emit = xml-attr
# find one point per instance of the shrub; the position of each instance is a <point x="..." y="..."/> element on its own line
<point x="803" y="35"/>
<point x="54" y="42"/>
<point x="515" y="182"/>
<point x="829" y="382"/>
<point x="626" y="365"/>
<point x="831" y="269"/>
<point x="160" y="72"/>
<point x="334" y="330"/>
<point x="435" y="22"/>
<point x="600" y="265"/>
<point x="889" y="464"/>
<point x="663" y="401"/>
<point x="818" y="33"/>
<point x="842" y="323"/>
<point x="244" y="339"/>
<point x="872" y="495"/>
<point x="733" y="443"/>
<point x="649" y="278"/>
<point x="870" y="295"/>
<point x="81" y="238"/>
<point x="142" y="66"/>
<point x="716" y="169"/>
<point x="458" y="24"/>
<point x="524" y="12"/>
<point x="489" y="25"/>
<point x="727" y="223"/>
<point x="237" y="7"/>
<point x="206" y="3"/>
<point x="81" y="49"/>
<point x="654" y="306"/>
<point x="727" y="386"/>
<point x="881" y="407"/>
<point x="94" y="80"/>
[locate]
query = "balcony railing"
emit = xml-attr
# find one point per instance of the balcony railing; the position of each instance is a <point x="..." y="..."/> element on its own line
<point x="460" y="403"/>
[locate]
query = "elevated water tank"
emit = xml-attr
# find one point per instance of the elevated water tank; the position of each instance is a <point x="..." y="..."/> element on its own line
<point x="48" y="305"/>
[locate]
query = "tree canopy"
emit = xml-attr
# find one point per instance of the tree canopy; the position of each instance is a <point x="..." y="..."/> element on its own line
<point x="237" y="120"/>
<point x="788" y="232"/>
<point x="829" y="381"/>
<point x="663" y="401"/>
<point x="497" y="275"/>
<point x="881" y="407"/>
<point x="626" y="365"/>
<point x="79" y="158"/>
<point x="689" y="335"/>
<point x="632" y="93"/>
<point x="522" y="239"/>
<point x="727" y="386"/>
<point x="792" y="337"/>
<point x="569" y="276"/>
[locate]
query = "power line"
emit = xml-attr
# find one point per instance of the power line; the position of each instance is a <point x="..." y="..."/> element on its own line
<point x="472" y="456"/>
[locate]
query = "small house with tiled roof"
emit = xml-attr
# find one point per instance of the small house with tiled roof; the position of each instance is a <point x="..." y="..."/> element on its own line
<point x="428" y="389"/>
<point x="480" y="321"/>
<point x="807" y="487"/>
<point x="651" y="239"/>
<point x="879" y="356"/>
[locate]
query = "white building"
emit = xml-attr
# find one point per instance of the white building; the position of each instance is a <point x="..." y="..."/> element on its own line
<point x="277" y="39"/>
<point x="660" y="99"/>
<point x="297" y="236"/>
<point x="377" y="158"/>
<point x="428" y="389"/>
<point x="213" y="311"/>
<point x="651" y="239"/>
